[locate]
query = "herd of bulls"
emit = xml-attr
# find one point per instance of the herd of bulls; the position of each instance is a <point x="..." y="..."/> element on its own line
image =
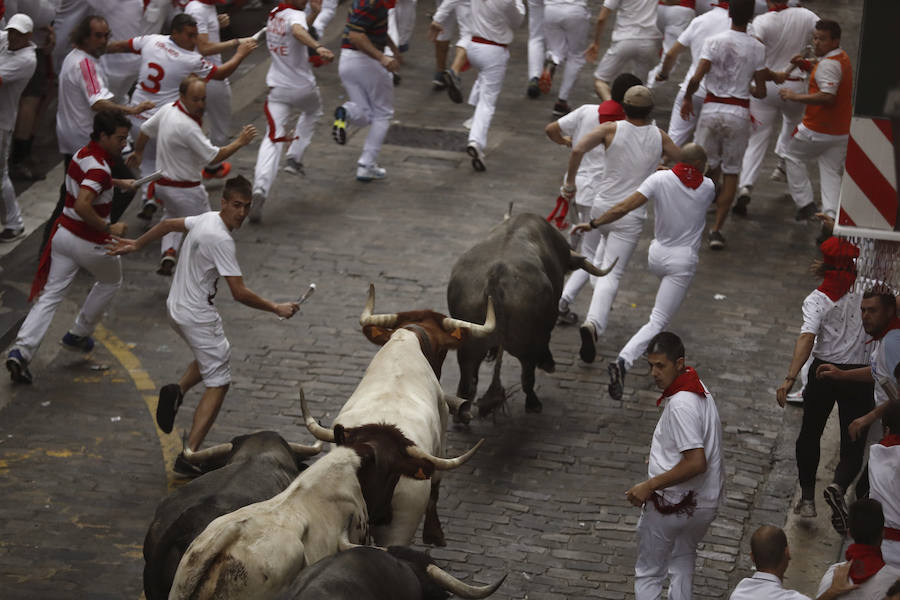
<point x="261" y="524"/>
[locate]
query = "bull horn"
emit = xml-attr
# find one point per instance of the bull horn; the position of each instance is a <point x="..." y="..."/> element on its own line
<point x="320" y="433"/>
<point x="381" y="320"/>
<point x="476" y="330"/>
<point x="213" y="452"/>
<point x="459" y="588"/>
<point x="592" y="268"/>
<point x="304" y="450"/>
<point x="443" y="464"/>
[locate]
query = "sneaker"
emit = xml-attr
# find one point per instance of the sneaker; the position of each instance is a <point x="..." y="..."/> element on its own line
<point x="219" y="172"/>
<point x="477" y="156"/>
<point x="294" y="167"/>
<point x="743" y="199"/>
<point x="167" y="263"/>
<point x="805" y="213"/>
<point x="186" y="469"/>
<point x="778" y="173"/>
<point x="588" y="350"/>
<point x="806" y="509"/>
<point x="716" y="240"/>
<point x="370" y="172"/>
<point x="18" y="367"/>
<point x="339" y="127"/>
<point x="21" y="171"/>
<point x="834" y="496"/>
<point x="616" y="387"/>
<point x="796" y="397"/>
<point x="77" y="343"/>
<point x="561" y="108"/>
<point x="437" y="82"/>
<point x="534" y="88"/>
<point x="147" y="211"/>
<point x="403" y="48"/>
<point x="467" y="123"/>
<point x="10" y="235"/>
<point x="256" y="207"/>
<point x="545" y="83"/>
<point x="566" y="316"/>
<point x="454" y="86"/>
<point x="170" y="397"/>
<point x="397" y="79"/>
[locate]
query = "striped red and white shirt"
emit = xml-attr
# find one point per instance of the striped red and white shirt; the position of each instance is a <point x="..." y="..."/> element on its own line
<point x="82" y="83"/>
<point x="89" y="169"/>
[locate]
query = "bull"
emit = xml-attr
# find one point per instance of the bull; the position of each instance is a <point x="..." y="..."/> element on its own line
<point x="520" y="266"/>
<point x="257" y="551"/>
<point x="401" y="386"/>
<point x="251" y="468"/>
<point x="365" y="573"/>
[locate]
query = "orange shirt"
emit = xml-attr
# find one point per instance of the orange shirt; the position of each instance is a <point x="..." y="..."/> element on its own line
<point x="834" y="119"/>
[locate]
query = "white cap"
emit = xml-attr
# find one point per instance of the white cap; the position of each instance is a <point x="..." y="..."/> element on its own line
<point x="21" y="23"/>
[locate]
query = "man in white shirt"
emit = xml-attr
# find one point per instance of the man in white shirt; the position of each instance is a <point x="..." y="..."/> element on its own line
<point x="732" y="60"/>
<point x="686" y="476"/>
<point x="681" y="197"/>
<point x="126" y="20"/>
<point x="566" y="27"/>
<point x="770" y="554"/>
<point x="209" y="253"/>
<point x="884" y="464"/>
<point x="536" y="56"/>
<point x="17" y="64"/>
<point x="182" y="149"/>
<point x="672" y="18"/>
<point x="635" y="42"/>
<point x="292" y="86"/>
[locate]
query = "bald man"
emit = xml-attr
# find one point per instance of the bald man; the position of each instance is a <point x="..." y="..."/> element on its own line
<point x="681" y="197"/>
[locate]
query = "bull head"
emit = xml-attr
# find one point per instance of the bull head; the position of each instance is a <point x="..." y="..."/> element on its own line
<point x="219" y="452"/>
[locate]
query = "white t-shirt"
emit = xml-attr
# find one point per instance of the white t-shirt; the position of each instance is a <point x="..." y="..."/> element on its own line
<point x="496" y="20"/>
<point x="734" y="58"/>
<point x="764" y="586"/>
<point x="207" y="23"/>
<point x="699" y="30"/>
<point x="182" y="149"/>
<point x="635" y="19"/>
<point x="290" y="66"/>
<point x="828" y="73"/>
<point x="207" y="252"/>
<point x="82" y="83"/>
<point x="577" y="124"/>
<point x="679" y="212"/>
<point x="872" y="588"/>
<point x="884" y="464"/>
<point x="784" y="33"/>
<point x="878" y="360"/>
<point x="164" y="65"/>
<point x="689" y="421"/>
<point x="16" y="68"/>
<point x="840" y="337"/>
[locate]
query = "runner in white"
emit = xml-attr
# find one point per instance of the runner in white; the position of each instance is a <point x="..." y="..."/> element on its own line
<point x="125" y="18"/>
<point x="680" y="199"/>
<point x="733" y="61"/>
<point x="536" y="55"/>
<point x="292" y="86"/>
<point x="634" y="148"/>
<point x="884" y="464"/>
<point x="182" y="149"/>
<point x="672" y="18"/>
<point x="76" y="242"/>
<point x="566" y="27"/>
<point x="209" y="253"/>
<point x="450" y="20"/>
<point x="17" y="64"/>
<point x="785" y="32"/>
<point x="700" y="29"/>
<point x="635" y="42"/>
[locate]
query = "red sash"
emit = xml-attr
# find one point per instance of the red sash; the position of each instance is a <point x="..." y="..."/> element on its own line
<point x="481" y="40"/>
<point x="727" y="100"/>
<point x="892" y="534"/>
<point x="178" y="184"/>
<point x="80" y="229"/>
<point x="687" y="3"/>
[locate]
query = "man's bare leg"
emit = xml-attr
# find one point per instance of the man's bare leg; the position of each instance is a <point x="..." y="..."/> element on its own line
<point x="190" y="378"/>
<point x="602" y="89"/>
<point x="725" y="199"/>
<point x="205" y="415"/>
<point x="440" y="54"/>
<point x="459" y="60"/>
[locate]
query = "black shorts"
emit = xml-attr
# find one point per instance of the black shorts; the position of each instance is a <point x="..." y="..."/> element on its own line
<point x="39" y="84"/>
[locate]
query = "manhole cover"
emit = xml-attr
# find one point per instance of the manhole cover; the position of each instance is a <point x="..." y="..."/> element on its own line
<point x="422" y="137"/>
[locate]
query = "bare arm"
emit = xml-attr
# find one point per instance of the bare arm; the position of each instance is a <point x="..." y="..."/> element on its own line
<point x="669" y="61"/>
<point x="85" y="209"/>
<point x="692" y="463"/>
<point x="248" y="297"/>
<point x="586" y="144"/>
<point x="128" y="110"/>
<point x="817" y="99"/>
<point x="554" y="132"/>
<point x="802" y="350"/>
<point x="621" y="209"/>
<point x="133" y="160"/>
<point x="118" y="46"/>
<point x="305" y="38"/>
<point x="758" y="89"/>
<point x="246" y="136"/>
<point x="208" y="48"/>
<point x="126" y="246"/>
<point x="699" y="74"/>
<point x="862" y="374"/>
<point x="362" y="43"/>
<point x="671" y="150"/>
<point x="245" y="47"/>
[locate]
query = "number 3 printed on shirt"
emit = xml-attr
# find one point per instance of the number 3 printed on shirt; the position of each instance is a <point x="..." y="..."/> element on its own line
<point x="153" y="79"/>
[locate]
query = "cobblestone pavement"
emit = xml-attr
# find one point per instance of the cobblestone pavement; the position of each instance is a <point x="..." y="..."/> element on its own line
<point x="80" y="463"/>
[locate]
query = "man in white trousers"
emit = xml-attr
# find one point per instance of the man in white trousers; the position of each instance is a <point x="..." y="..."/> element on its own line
<point x="635" y="42"/>
<point x="536" y="56"/>
<point x="672" y="18"/>
<point x="701" y="28"/>
<point x="884" y="464"/>
<point x="181" y="151"/>
<point x="634" y="147"/>
<point x="209" y="253"/>
<point x="686" y="475"/>
<point x="292" y="86"/>
<point x="76" y="242"/>
<point x="785" y="32"/>
<point x="566" y="27"/>
<point x="366" y="72"/>
<point x="450" y="20"/>
<point x="681" y="197"/>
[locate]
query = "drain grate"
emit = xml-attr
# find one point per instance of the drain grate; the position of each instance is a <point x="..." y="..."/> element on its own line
<point x="423" y="137"/>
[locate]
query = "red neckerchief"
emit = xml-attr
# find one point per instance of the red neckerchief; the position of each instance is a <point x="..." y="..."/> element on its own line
<point x="610" y="110"/>
<point x="865" y="561"/>
<point x="96" y="150"/>
<point x="778" y="7"/>
<point x="687" y="381"/>
<point x="893" y="324"/>
<point x="179" y="106"/>
<point x="891" y="439"/>
<point x="837" y="283"/>
<point x="688" y="174"/>
<point x="281" y="6"/>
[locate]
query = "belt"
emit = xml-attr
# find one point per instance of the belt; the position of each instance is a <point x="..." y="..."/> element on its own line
<point x="688" y="3"/>
<point x="745" y="102"/>
<point x="892" y="534"/>
<point x="481" y="40"/>
<point x="178" y="184"/>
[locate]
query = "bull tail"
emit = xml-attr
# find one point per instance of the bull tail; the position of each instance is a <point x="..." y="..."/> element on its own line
<point x="202" y="560"/>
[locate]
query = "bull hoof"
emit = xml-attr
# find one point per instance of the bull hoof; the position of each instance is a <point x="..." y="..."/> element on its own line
<point x="533" y="405"/>
<point x="434" y="538"/>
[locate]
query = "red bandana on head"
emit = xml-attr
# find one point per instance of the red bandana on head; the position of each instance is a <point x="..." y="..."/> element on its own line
<point x="865" y="561"/>
<point x="839" y="255"/>
<point x="687" y="381"/>
<point x="180" y="107"/>
<point x="610" y="110"/>
<point x="689" y="175"/>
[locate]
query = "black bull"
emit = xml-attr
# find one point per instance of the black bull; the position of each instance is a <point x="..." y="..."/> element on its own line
<point x="521" y="266"/>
